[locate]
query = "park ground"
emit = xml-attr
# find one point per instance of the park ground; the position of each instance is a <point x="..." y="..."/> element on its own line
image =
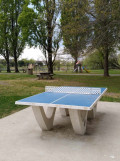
<point x="17" y="86"/>
<point x="69" y="71"/>
<point x="21" y="138"/>
<point x="99" y="71"/>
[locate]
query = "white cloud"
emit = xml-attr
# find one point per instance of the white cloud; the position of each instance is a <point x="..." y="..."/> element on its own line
<point x="32" y="53"/>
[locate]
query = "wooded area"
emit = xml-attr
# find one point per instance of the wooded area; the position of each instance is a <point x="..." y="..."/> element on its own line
<point x="84" y="27"/>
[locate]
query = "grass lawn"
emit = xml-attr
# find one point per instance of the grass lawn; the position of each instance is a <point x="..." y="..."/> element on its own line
<point x="111" y="71"/>
<point x="17" y="86"/>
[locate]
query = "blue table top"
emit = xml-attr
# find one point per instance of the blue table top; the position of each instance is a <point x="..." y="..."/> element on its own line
<point x="66" y="99"/>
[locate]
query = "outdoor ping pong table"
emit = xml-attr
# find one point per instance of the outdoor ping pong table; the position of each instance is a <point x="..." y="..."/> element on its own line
<point x="78" y="102"/>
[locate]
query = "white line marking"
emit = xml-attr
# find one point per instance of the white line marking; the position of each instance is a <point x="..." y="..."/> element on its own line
<point x="60" y="98"/>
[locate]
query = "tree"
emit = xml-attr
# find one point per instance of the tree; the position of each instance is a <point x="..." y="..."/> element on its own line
<point x="57" y="65"/>
<point x="75" y="26"/>
<point x="40" y="27"/>
<point x="17" y="42"/>
<point x="5" y="32"/>
<point x="94" y="60"/>
<point x="106" y="25"/>
<point x="114" y="61"/>
<point x="119" y="59"/>
<point x="21" y="63"/>
<point x="2" y="64"/>
<point x="11" y="41"/>
<point x="25" y="62"/>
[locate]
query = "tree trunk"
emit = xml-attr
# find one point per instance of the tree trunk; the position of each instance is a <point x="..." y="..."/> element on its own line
<point x="106" y="66"/>
<point x="7" y="59"/>
<point x="7" y="54"/>
<point x="80" y="68"/>
<point x="49" y="49"/>
<point x="75" y="66"/>
<point x="8" y="65"/>
<point x="15" y="38"/>
<point x="50" y="63"/>
<point x="16" y="62"/>
<point x="50" y="10"/>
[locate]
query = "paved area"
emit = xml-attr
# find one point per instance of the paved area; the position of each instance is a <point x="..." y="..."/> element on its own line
<point x="21" y="139"/>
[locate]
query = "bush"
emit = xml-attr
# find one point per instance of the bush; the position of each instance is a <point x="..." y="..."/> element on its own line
<point x="94" y="61"/>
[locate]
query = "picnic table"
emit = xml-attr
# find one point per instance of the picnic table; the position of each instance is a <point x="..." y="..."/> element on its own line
<point x="46" y="75"/>
<point x="78" y="102"/>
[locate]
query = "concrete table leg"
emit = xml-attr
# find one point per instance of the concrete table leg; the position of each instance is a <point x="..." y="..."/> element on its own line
<point x="78" y="120"/>
<point x="45" y="120"/>
<point x="64" y="112"/>
<point x="92" y="113"/>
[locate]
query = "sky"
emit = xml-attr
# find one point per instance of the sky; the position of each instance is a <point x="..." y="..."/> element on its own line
<point x="36" y="54"/>
<point x="32" y="53"/>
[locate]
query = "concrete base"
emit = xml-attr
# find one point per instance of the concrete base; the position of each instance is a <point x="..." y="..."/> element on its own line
<point x="44" y="119"/>
<point x="21" y="139"/>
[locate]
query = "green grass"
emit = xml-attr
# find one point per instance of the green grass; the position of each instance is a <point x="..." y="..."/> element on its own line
<point x="111" y="71"/>
<point x="112" y="83"/>
<point x="14" y="76"/>
<point x="110" y="99"/>
<point x="7" y="105"/>
<point x="17" y="86"/>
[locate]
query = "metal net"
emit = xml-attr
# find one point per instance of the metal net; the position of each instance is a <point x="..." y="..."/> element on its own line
<point x="75" y="90"/>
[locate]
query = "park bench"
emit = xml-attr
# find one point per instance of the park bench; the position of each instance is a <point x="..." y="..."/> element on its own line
<point x="45" y="75"/>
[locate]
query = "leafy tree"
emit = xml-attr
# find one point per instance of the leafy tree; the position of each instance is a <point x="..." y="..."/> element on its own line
<point x="26" y="62"/>
<point x="3" y="62"/>
<point x="5" y="32"/>
<point x="94" y="60"/>
<point x="119" y="59"/>
<point x="75" y="28"/>
<point x="114" y="61"/>
<point x="17" y="42"/>
<point x="11" y="41"/>
<point x="1" y="67"/>
<point x="40" y="27"/>
<point x="21" y="63"/>
<point x="57" y="65"/>
<point x="12" y="63"/>
<point x="106" y="23"/>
